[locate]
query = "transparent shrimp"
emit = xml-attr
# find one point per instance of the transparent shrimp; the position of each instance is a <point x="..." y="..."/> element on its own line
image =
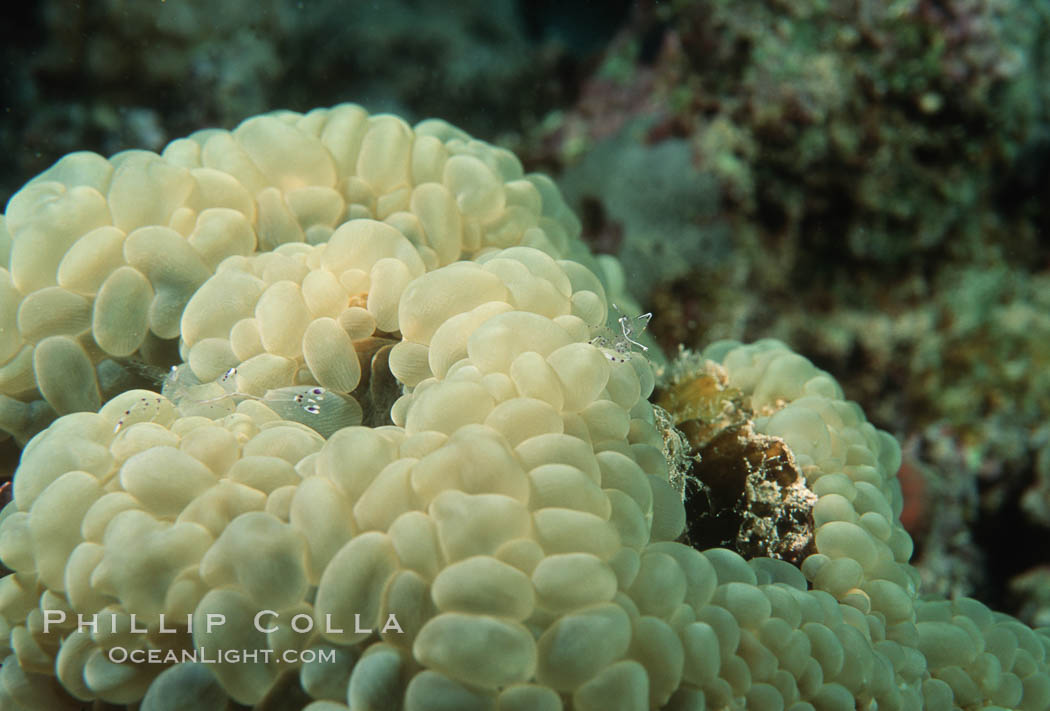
<point x="145" y="409"/>
<point x="193" y="397"/>
<point x="323" y="410"/>
<point x="182" y="383"/>
<point x="149" y="406"/>
<point x="618" y="347"/>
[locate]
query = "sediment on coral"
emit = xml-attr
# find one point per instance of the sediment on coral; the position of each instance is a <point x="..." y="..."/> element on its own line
<point x="511" y="540"/>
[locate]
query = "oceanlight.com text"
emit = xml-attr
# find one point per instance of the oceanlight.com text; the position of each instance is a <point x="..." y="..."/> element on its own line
<point x="204" y="655"/>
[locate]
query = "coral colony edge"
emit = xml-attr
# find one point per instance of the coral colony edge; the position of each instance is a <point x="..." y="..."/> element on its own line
<point x="407" y="457"/>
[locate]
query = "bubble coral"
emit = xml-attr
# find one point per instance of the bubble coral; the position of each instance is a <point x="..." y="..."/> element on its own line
<point x="516" y="517"/>
<point x="103" y="256"/>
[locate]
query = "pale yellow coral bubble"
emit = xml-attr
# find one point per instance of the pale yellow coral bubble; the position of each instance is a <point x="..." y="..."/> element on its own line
<point x="245" y="339"/>
<point x="222" y="301"/>
<point x="146" y="190"/>
<point x="323" y="294"/>
<point x="573" y="580"/>
<point x="44" y="219"/>
<point x="91" y="259"/>
<point x="275" y="224"/>
<point x="429" y="689"/>
<point x="69" y="664"/>
<point x="668" y="515"/>
<point x="173" y="268"/>
<point x="113" y="682"/>
<point x="583" y="371"/>
<point x="464" y="286"/>
<point x="414" y="536"/>
<point x="440" y="218"/>
<point x="629" y="521"/>
<point x="315" y="205"/>
<point x="476" y="524"/>
<point x="222" y="152"/>
<point x="388" y="496"/>
<point x="142" y="557"/>
<point x="461" y="646"/>
<point x="77" y="578"/>
<point x="522" y="418"/>
<point x="250" y="551"/>
<point x="497" y="342"/>
<point x="10" y="338"/>
<point x="360" y="243"/>
<point x="561" y="530"/>
<point x="478" y="190"/>
<point x="164" y="479"/>
<point x="385" y="155"/>
<point x="263" y="372"/>
<point x="565" y="486"/>
<point x="484" y="585"/>
<point x="65" y="375"/>
<point x="441" y="129"/>
<point x="529" y="697"/>
<point x="120" y="319"/>
<point x="428" y="159"/>
<point x="79" y="168"/>
<point x="245" y="683"/>
<point x="53" y="311"/>
<point x="288" y="158"/>
<point x="211" y="358"/>
<point x="449" y="343"/>
<point x="657" y="647"/>
<point x="54" y="523"/>
<point x="282" y="438"/>
<point x="559" y="449"/>
<point x="529" y="291"/>
<point x="475" y="460"/>
<point x="342" y="135"/>
<point x="283" y="317"/>
<point x="512" y="227"/>
<point x="448" y="408"/>
<point x="184" y="152"/>
<point x="605" y="421"/>
<point x="221" y="504"/>
<point x="329" y="353"/>
<point x="359" y="324"/>
<point x="624" y="684"/>
<point x="389" y="277"/>
<point x="353" y="583"/>
<point x="393" y="202"/>
<point x="581" y="644"/>
<point x="221" y="232"/>
<point x="216" y="189"/>
<point x="844" y="539"/>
